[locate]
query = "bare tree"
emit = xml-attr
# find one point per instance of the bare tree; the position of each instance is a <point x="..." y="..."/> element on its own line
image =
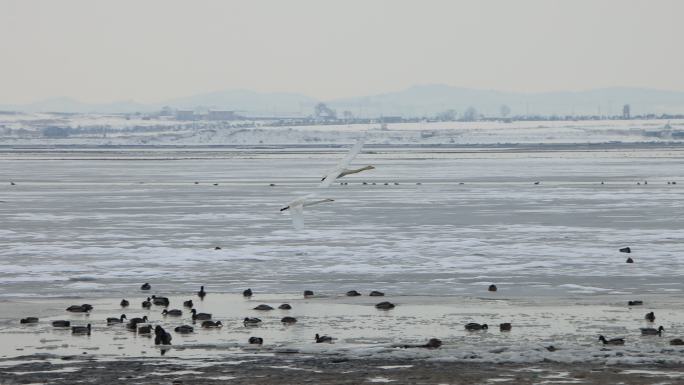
<point x="322" y="111"/>
<point x="504" y="111"/>
<point x="470" y="114"/>
<point x="447" y="116"/>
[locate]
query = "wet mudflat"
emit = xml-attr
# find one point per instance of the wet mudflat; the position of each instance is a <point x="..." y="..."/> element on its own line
<point x="313" y="370"/>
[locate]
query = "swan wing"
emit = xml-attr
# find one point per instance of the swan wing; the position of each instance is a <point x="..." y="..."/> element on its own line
<point x="331" y="176"/>
<point x="317" y="201"/>
<point x="302" y="200"/>
<point x="297" y="215"/>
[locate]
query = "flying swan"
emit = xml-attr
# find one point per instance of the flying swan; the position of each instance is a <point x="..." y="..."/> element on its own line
<point x="296" y="207"/>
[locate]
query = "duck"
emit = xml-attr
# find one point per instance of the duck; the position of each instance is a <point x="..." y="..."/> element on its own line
<point x="251" y="321"/>
<point x="285" y="306"/>
<point x="200" y="316"/>
<point x="256" y="340"/>
<point x="147" y="329"/>
<point x="625" y="250"/>
<point x="288" y="320"/>
<point x="138" y="319"/>
<point x="161" y="337"/>
<point x="505" y="327"/>
<point x="475" y="326"/>
<point x="217" y="248"/>
<point x="612" y="341"/>
<point x="376" y="293"/>
<point x="247" y="293"/>
<point x="145" y="286"/>
<point x="635" y="303"/>
<point x="385" y="305"/>
<point x="172" y="312"/>
<point x="201" y="293"/>
<point x="323" y="339"/>
<point x="263" y="307"/>
<point x="677" y="341"/>
<point x="146" y="304"/>
<point x="652" y="331"/>
<point x="211" y="324"/>
<point x="124" y="303"/>
<point x="81" y="329"/>
<point x="61" y="323"/>
<point x="116" y="320"/>
<point x="29" y="320"/>
<point x="184" y="329"/>
<point x="353" y="293"/>
<point x="308" y="293"/>
<point x="650" y="317"/>
<point x="133" y="322"/>
<point x="160" y="301"/>
<point x="80" y="308"/>
<point x="629" y="260"/>
<point x="492" y="288"/>
<point x="189" y="304"/>
<point x="433" y="343"/>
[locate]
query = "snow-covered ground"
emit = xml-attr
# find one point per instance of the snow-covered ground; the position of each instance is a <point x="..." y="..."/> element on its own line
<point x="135" y="130"/>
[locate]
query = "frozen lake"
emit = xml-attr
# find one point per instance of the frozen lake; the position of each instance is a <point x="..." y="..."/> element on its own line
<point x="98" y="223"/>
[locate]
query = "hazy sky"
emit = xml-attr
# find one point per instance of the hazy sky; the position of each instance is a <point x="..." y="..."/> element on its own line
<point x="148" y="51"/>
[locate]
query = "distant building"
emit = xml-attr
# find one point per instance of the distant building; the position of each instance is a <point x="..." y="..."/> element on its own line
<point x="391" y="119"/>
<point x="185" y="115"/>
<point x="221" y="115"/>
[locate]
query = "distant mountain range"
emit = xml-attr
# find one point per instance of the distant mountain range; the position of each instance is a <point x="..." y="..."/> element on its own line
<point x="424" y="100"/>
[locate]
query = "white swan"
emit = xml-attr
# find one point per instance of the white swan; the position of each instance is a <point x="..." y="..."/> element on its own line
<point x="341" y="169"/>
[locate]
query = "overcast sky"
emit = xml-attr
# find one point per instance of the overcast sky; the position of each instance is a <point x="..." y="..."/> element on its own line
<point x="149" y="51"/>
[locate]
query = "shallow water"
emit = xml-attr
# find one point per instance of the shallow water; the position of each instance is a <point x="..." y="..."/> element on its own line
<point x="359" y="329"/>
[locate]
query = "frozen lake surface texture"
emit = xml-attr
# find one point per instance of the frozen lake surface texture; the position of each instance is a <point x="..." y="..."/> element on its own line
<point x="97" y="222"/>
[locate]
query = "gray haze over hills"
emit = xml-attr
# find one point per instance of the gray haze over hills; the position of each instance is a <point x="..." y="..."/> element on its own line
<point x="416" y="101"/>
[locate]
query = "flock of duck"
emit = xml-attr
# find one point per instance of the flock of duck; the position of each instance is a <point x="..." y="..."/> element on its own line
<point x="650" y="317"/>
<point x="142" y="325"/>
